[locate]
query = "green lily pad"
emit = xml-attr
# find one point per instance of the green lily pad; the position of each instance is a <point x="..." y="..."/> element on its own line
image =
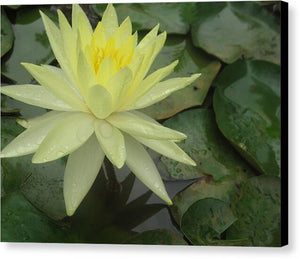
<point x="22" y="222"/>
<point x="247" y="107"/>
<point x="230" y="30"/>
<point x="7" y="34"/>
<point x="42" y="184"/>
<point x="206" y="188"/>
<point x="31" y="45"/>
<point x="191" y="60"/>
<point x="206" y="220"/>
<point x="258" y="212"/>
<point x="157" y="237"/>
<point x="205" y="145"/>
<point x="147" y="15"/>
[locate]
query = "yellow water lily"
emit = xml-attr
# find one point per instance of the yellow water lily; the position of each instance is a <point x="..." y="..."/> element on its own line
<point x="103" y="77"/>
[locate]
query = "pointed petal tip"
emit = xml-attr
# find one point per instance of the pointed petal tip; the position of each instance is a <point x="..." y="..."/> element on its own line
<point x="22" y="122"/>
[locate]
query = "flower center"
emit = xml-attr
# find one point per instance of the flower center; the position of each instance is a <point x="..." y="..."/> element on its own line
<point x="120" y="56"/>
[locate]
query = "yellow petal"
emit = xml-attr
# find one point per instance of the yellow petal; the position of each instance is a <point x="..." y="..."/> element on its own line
<point x="111" y="141"/>
<point x="137" y="126"/>
<point x="105" y="71"/>
<point x="29" y="140"/>
<point x="123" y="32"/>
<point x="99" y="38"/>
<point x="81" y="24"/>
<point x="86" y="76"/>
<point x="144" y="43"/>
<point x="168" y="149"/>
<point x="148" y="83"/>
<point x="99" y="101"/>
<point x="162" y="90"/>
<point x="141" y="164"/>
<point x="81" y="171"/>
<point x="35" y="95"/>
<point x="57" y="45"/>
<point x="27" y="123"/>
<point x="68" y="135"/>
<point x="110" y="21"/>
<point x="57" y="84"/>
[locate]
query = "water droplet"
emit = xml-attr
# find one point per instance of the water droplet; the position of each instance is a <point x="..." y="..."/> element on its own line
<point x="106" y="130"/>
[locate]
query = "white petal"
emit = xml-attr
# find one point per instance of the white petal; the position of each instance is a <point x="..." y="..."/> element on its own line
<point x="29" y="140"/>
<point x="81" y="171"/>
<point x="134" y="125"/>
<point x="141" y="164"/>
<point x="57" y="84"/>
<point x="35" y="95"/>
<point x="65" y="137"/>
<point x="167" y="148"/>
<point x="161" y="91"/>
<point x="111" y="141"/>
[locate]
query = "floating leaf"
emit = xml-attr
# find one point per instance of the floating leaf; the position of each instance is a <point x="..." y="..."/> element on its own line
<point x="258" y="212"/>
<point x="7" y="34"/>
<point x="205" y="188"/>
<point x="31" y="45"/>
<point x="247" y="107"/>
<point x="22" y="222"/>
<point x="148" y="15"/>
<point x="230" y="30"/>
<point x="206" y="220"/>
<point x="157" y="237"/>
<point x="191" y="60"/>
<point x="205" y="145"/>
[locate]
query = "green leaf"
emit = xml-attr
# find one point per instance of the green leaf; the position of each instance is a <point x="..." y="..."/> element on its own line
<point x="206" y="220"/>
<point x="206" y="188"/>
<point x="247" y="107"/>
<point x="7" y="34"/>
<point x="205" y="145"/>
<point x="31" y="45"/>
<point x="258" y="212"/>
<point x="148" y="15"/>
<point x="191" y="60"/>
<point x="157" y="237"/>
<point x="21" y="222"/>
<point x="230" y="30"/>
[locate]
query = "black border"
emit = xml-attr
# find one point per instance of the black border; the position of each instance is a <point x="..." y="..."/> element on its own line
<point x="284" y="123"/>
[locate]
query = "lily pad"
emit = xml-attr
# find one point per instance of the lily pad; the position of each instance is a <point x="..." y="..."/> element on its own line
<point x="22" y="222"/>
<point x="229" y="30"/>
<point x="206" y="188"/>
<point x="145" y="16"/>
<point x="247" y="107"/>
<point x="7" y="34"/>
<point x="31" y="45"/>
<point x="157" y="237"/>
<point x="206" y="220"/>
<point x="258" y="212"/>
<point x="191" y="60"/>
<point x="205" y="145"/>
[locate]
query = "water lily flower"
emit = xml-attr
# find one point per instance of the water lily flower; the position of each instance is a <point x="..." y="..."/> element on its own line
<point x="103" y="78"/>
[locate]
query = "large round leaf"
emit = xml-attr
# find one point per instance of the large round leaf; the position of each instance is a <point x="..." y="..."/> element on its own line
<point x="258" y="212"/>
<point x="247" y="107"/>
<point x="205" y="145"/>
<point x="191" y="60"/>
<point x="31" y="45"/>
<point x="145" y="16"/>
<point x="229" y="30"/>
<point x="206" y="220"/>
<point x="21" y="222"/>
<point x="7" y="34"/>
